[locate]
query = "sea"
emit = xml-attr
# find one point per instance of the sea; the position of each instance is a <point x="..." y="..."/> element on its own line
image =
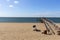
<point x="27" y="19"/>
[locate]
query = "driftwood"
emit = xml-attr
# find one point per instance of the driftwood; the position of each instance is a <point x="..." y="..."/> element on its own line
<point x="48" y="28"/>
<point x="35" y="28"/>
<point x="57" y="28"/>
<point x="47" y="32"/>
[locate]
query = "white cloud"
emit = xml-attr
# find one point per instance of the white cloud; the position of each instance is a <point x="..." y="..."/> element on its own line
<point x="10" y="5"/>
<point x="16" y="2"/>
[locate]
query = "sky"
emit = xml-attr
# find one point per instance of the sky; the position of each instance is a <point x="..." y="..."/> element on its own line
<point x="29" y="8"/>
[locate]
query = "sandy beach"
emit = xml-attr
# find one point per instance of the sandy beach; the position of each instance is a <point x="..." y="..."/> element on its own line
<point x="24" y="31"/>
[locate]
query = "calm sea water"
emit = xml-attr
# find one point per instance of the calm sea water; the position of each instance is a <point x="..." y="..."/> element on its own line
<point x="26" y="19"/>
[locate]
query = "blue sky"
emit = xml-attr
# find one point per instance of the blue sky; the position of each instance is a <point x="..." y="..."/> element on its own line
<point x="29" y="8"/>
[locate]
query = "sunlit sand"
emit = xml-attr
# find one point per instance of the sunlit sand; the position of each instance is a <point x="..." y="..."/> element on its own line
<point x="24" y="31"/>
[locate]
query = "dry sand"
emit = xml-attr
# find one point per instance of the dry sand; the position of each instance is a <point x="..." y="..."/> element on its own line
<point x="24" y="31"/>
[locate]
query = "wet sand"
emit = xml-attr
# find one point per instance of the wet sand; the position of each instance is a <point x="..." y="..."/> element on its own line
<point x="24" y="31"/>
